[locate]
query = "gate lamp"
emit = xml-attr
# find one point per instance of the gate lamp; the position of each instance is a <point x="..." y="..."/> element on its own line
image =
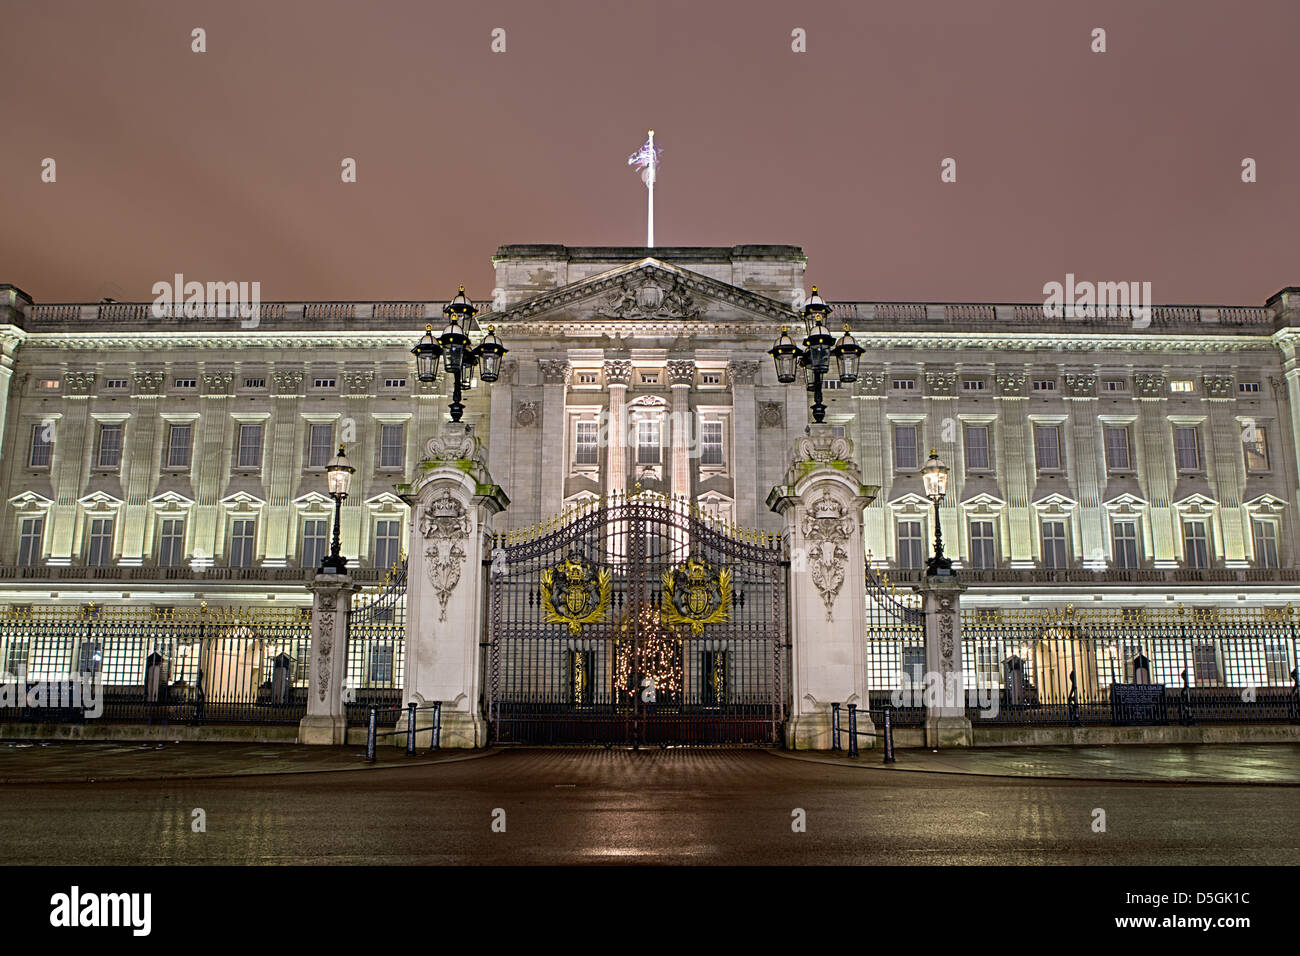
<point x="459" y="357"/>
<point x="815" y="357"/>
<point x="338" y="478"/>
<point x="934" y="477"/>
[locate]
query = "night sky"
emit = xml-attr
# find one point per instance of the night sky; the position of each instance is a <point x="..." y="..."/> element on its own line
<point x="225" y="165"/>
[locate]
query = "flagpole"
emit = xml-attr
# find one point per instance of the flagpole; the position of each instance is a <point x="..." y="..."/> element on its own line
<point x="650" y="199"/>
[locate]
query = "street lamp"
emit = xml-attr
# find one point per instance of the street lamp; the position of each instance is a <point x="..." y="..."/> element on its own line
<point x="338" y="478"/>
<point x="459" y="358"/>
<point x="934" y="476"/>
<point x="819" y="347"/>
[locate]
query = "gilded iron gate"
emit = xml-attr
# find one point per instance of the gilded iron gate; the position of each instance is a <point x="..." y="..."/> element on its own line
<point x="636" y="620"/>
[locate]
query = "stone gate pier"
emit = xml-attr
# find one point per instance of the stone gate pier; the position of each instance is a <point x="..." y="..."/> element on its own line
<point x="453" y="500"/>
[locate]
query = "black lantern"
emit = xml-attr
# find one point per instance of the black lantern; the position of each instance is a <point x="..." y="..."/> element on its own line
<point x="427" y="352"/>
<point x="846" y="353"/>
<point x="815" y="311"/>
<point x="934" y="478"/>
<point x="489" y="354"/>
<point x="468" y="364"/>
<point x="786" y="355"/>
<point x="818" y="345"/>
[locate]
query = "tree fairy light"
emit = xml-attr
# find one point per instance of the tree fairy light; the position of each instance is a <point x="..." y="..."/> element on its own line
<point x="646" y="647"/>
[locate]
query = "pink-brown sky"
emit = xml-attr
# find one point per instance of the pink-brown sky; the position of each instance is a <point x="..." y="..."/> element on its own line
<point x="1122" y="166"/>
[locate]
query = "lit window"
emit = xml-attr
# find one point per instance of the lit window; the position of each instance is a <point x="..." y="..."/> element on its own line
<point x="649" y="378"/>
<point x="1181" y="385"/>
<point x="647" y="442"/>
<point x="1248" y="387"/>
<point x="588" y="378"/>
<point x="586" y="449"/>
<point x="50" y="384"/>
<point x="381" y="664"/>
<point x="711" y="443"/>
<point x="1255" y="444"/>
<point x="1114" y="385"/>
<point x="905" y="448"/>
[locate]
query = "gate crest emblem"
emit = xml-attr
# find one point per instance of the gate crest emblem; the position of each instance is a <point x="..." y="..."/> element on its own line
<point x="697" y="594"/>
<point x="575" y="592"/>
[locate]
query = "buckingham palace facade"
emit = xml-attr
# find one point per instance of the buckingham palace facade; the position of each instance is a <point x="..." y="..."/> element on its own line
<point x="176" y="459"/>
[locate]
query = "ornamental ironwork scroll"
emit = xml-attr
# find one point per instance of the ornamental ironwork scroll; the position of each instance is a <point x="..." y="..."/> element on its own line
<point x="575" y="592"/>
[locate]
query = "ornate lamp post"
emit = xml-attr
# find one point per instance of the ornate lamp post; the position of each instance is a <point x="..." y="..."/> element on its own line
<point x="934" y="476"/>
<point x="338" y="478"/>
<point x="459" y="358"/>
<point x="819" y="347"/>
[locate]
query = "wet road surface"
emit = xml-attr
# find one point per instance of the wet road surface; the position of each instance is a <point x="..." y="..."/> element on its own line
<point x="677" y="806"/>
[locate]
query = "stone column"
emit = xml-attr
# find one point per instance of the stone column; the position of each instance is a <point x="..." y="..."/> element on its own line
<point x="946" y="723"/>
<point x="11" y="338"/>
<point x="1156" y="465"/>
<point x="618" y="376"/>
<point x="452" y="504"/>
<point x="555" y="439"/>
<point x="1013" y="447"/>
<point x="326" y="723"/>
<point x="744" y="449"/>
<point x="681" y="376"/>
<point x="821" y="503"/>
<point x="1088" y="466"/>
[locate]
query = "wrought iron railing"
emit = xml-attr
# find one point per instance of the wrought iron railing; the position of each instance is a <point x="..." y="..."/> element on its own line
<point x="895" y="644"/>
<point x="376" y="667"/>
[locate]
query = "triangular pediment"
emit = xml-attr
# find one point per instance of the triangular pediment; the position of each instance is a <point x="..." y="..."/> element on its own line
<point x="647" y="291"/>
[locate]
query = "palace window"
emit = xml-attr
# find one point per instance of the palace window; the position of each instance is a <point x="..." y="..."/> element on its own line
<point x="650" y="378"/>
<point x="116" y="383"/>
<point x="314" y="537"/>
<point x="1047" y="447"/>
<point x="1277" y="662"/>
<point x="243" y="537"/>
<point x="711" y="443"/>
<point x="647" y="442"/>
<point x="320" y="445"/>
<point x="972" y="385"/>
<point x="1124" y="536"/>
<point x="588" y="378"/>
<point x="1187" y="448"/>
<point x="914" y="663"/>
<point x="710" y="378"/>
<point x="185" y="383"/>
<point x="31" y="541"/>
<point x="1196" y="544"/>
<point x="905" y="448"/>
<point x="1264" y="531"/>
<point x="903" y="385"/>
<point x="392" y="446"/>
<point x="981" y="544"/>
<point x="977" y="448"/>
<point x="1114" y="385"/>
<point x="178" y="446"/>
<point x="1205" y="663"/>
<point x="171" y="542"/>
<point x="1248" y="387"/>
<point x="1055" y="555"/>
<point x="911" y="544"/>
<point x="388" y="542"/>
<point x="109" y="454"/>
<point x="254" y="383"/>
<point x="99" y="551"/>
<point x="1117" y="449"/>
<point x="1183" y="385"/>
<point x="1254" y="443"/>
<point x="324" y="383"/>
<point x="1044" y="385"/>
<point x="42" y="446"/>
<point x="586" y="443"/>
<point x="381" y="665"/>
<point x="250" y="446"/>
<point x="394" y="383"/>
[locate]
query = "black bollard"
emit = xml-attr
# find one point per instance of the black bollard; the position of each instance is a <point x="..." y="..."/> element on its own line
<point x="435" y="736"/>
<point x="410" y="729"/>
<point x="835" y="727"/>
<point x="888" y="722"/>
<point x="370" y="735"/>
<point x="853" y="730"/>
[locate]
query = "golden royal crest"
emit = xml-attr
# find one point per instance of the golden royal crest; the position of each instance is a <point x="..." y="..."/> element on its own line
<point x="696" y="594"/>
<point x="575" y="592"/>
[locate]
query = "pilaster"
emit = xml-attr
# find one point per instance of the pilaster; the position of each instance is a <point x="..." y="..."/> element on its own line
<point x="326" y="721"/>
